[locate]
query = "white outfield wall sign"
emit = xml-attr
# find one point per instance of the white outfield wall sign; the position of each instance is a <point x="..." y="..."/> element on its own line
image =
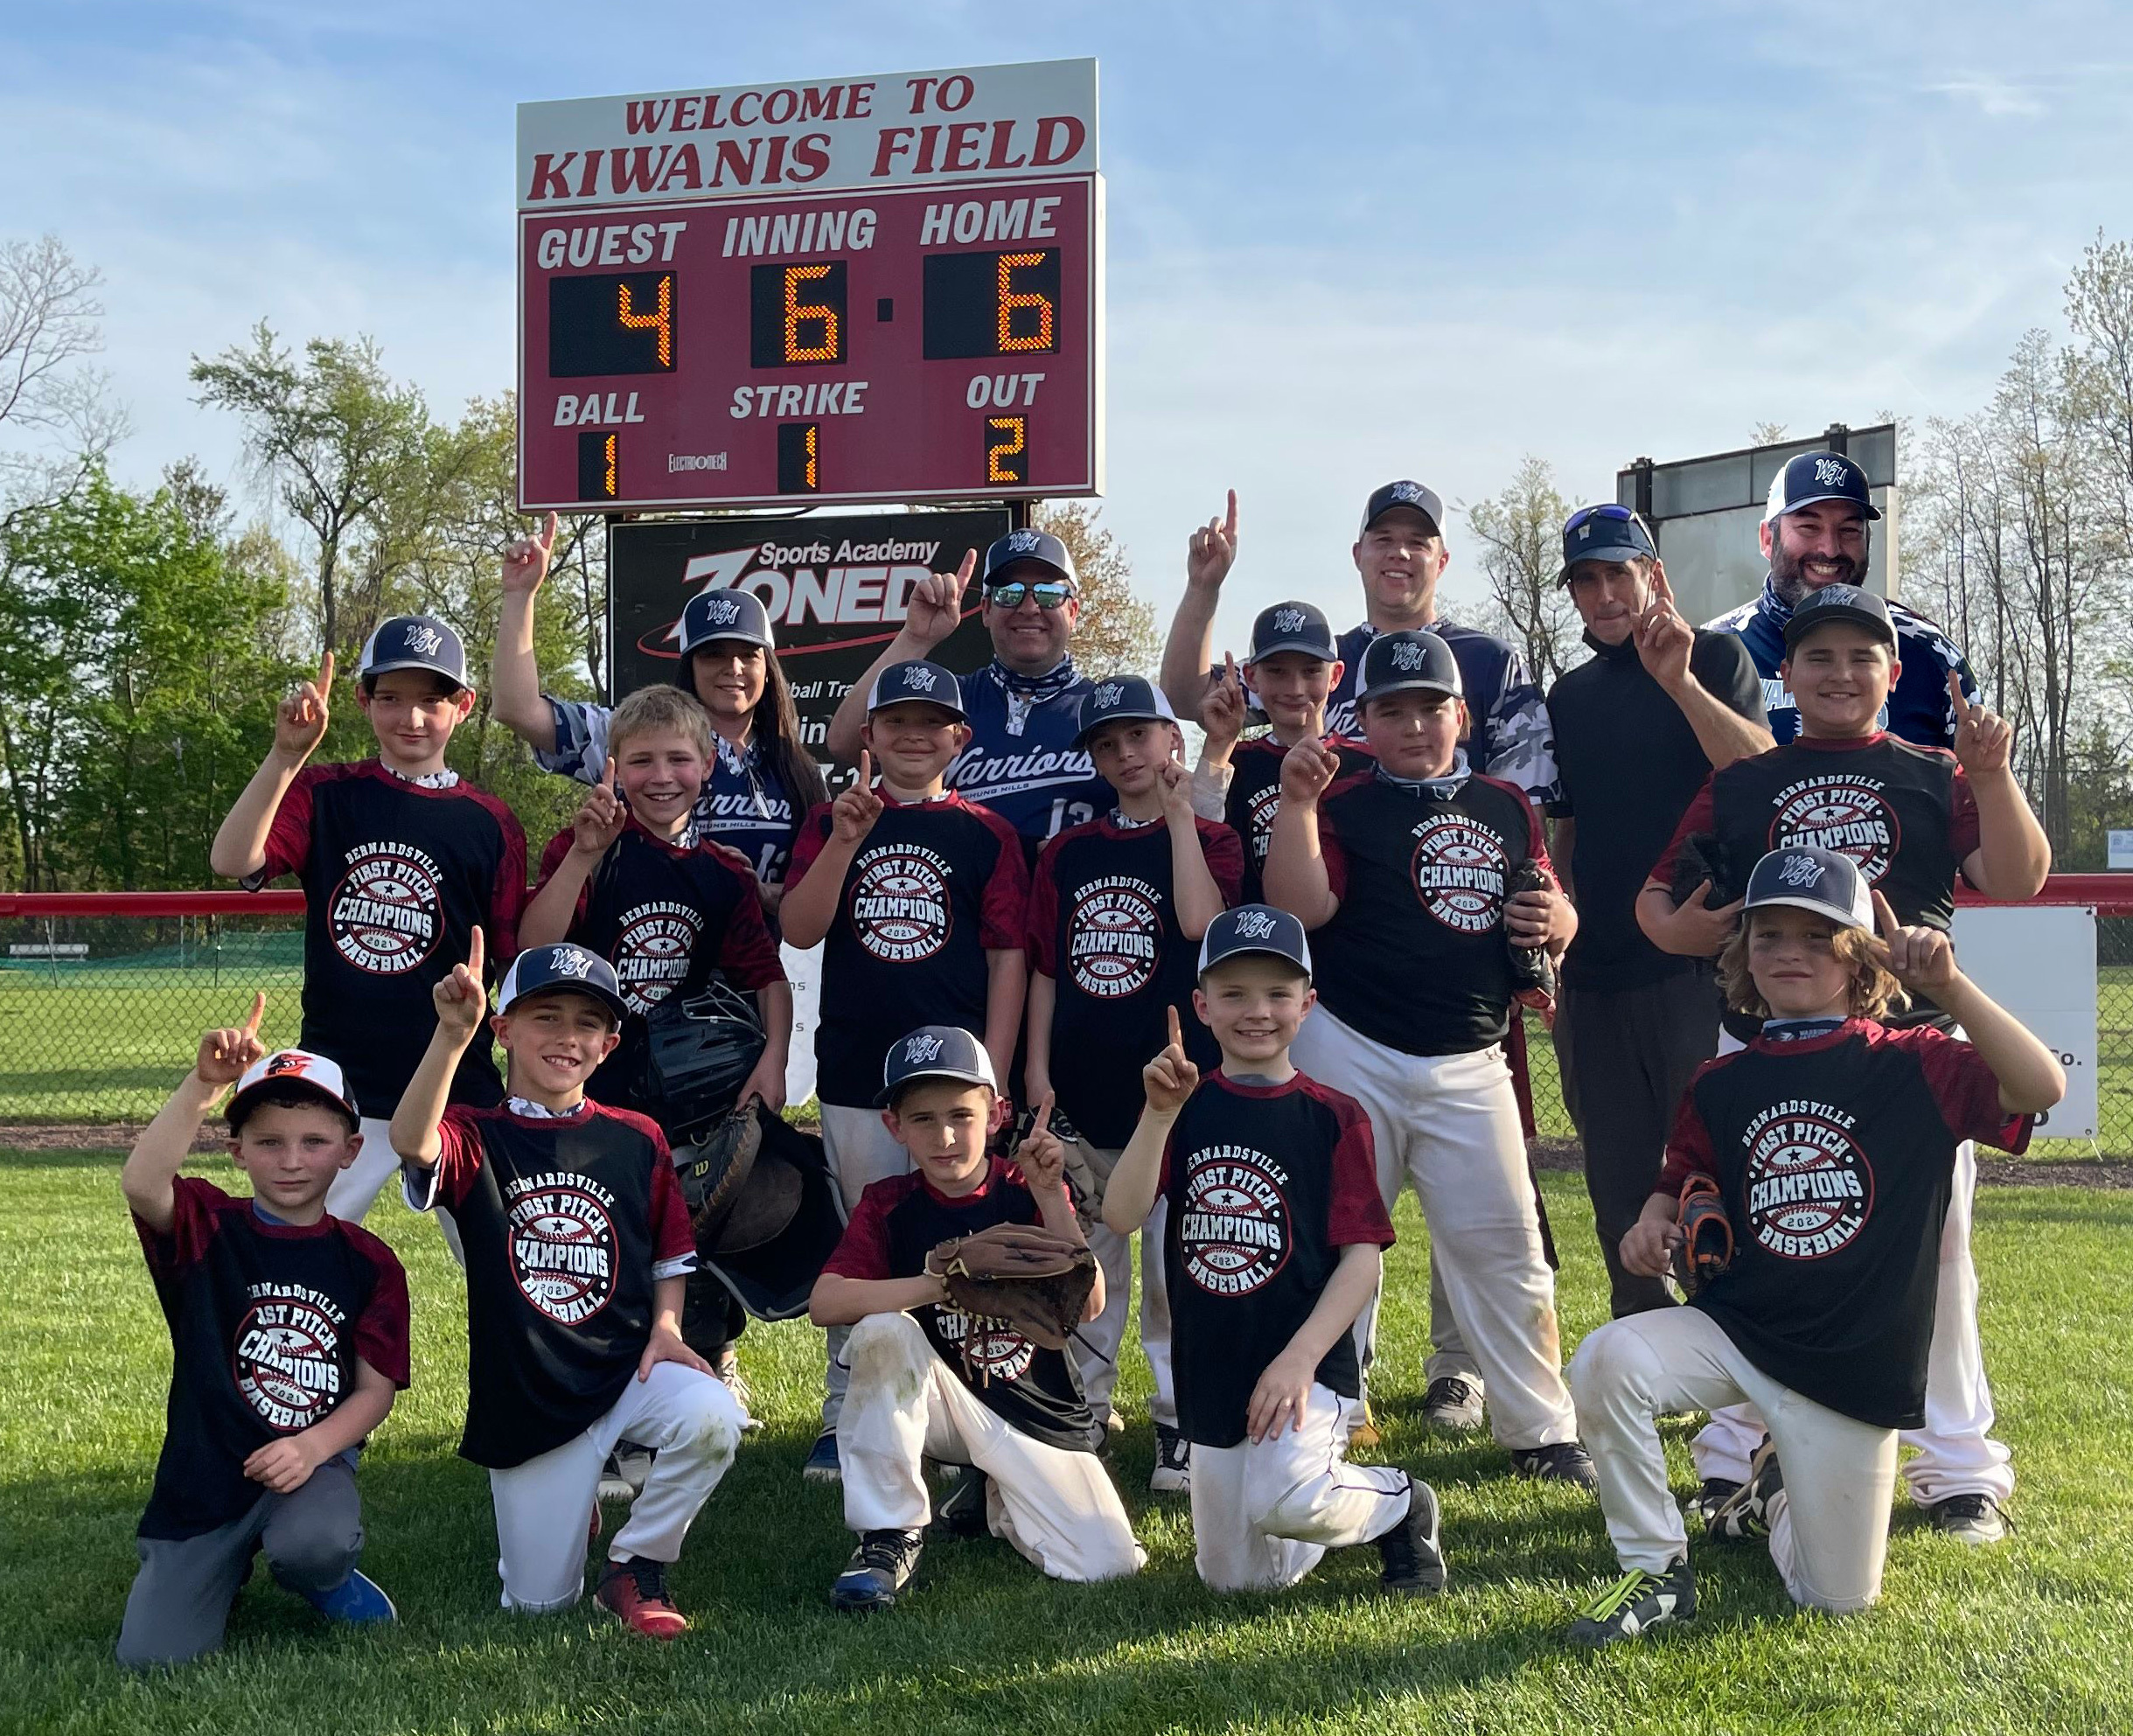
<point x="2038" y="961"/>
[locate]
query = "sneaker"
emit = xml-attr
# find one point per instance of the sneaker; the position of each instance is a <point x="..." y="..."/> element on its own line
<point x="960" y="1513"/>
<point x="1560" y="1461"/>
<point x="1711" y="1494"/>
<point x="624" y="1476"/>
<point x="727" y="1367"/>
<point x="822" y="1466"/>
<point x="1414" y="1557"/>
<point x="1634" y="1604"/>
<point x="1974" y="1519"/>
<point x="636" y="1590"/>
<point x="1744" y="1515"/>
<point x="880" y="1567"/>
<point x="358" y="1602"/>
<point x="1173" y="1472"/>
<point x="1363" y="1433"/>
<point x="613" y="1486"/>
<point x="1451" y="1403"/>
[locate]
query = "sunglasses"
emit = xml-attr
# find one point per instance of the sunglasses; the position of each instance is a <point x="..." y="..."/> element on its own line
<point x="1050" y="595"/>
<point x="1608" y="511"/>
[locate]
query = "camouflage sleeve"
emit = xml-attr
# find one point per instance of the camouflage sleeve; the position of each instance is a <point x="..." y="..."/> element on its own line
<point x="1517" y="737"/>
<point x="581" y="740"/>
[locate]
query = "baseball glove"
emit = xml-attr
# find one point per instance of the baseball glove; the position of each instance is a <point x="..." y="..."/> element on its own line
<point x="714" y="1172"/>
<point x="1020" y="1275"/>
<point x="1532" y="970"/>
<point x="1706" y="1234"/>
<point x="1701" y="858"/>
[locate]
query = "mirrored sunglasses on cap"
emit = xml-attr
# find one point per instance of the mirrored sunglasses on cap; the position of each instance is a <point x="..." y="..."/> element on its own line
<point x="1611" y="511"/>
<point x="1050" y="593"/>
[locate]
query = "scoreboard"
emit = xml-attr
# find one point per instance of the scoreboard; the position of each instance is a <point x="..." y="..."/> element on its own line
<point x="913" y="337"/>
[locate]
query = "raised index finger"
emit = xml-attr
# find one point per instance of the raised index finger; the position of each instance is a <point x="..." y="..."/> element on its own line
<point x="1955" y="694"/>
<point x="1177" y="1033"/>
<point x="474" y="953"/>
<point x="1885" y="916"/>
<point x="1043" y="1123"/>
<point x="325" y="674"/>
<point x="547" y="534"/>
<point x="866" y="769"/>
<point x="1228" y="523"/>
<point x="258" y="1009"/>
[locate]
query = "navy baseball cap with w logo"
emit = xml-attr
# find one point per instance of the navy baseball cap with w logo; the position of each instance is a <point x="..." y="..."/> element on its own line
<point x="1840" y="602"/>
<point x="1394" y="662"/>
<point x="413" y="642"/>
<point x="1121" y="699"/>
<point x="1411" y="495"/>
<point x="1818" y="476"/>
<point x="917" y="680"/>
<point x="541" y="969"/>
<point x="933" y="1052"/>
<point x="1810" y="878"/>
<point x="1255" y="928"/>
<point x="1292" y="626"/>
<point x="722" y="614"/>
<point x="1607" y="532"/>
<point x="1016" y="547"/>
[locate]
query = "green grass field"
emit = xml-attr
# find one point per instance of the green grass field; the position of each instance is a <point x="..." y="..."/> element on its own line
<point x="2028" y="1637"/>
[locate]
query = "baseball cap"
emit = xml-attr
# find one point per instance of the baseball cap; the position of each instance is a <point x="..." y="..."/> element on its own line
<point x="722" y="614"/>
<point x="1404" y="493"/>
<point x="1607" y="532"/>
<point x="1818" y="476"/>
<point x="562" y="966"/>
<point x="917" y="680"/>
<point x="1813" y="879"/>
<point x="1839" y="603"/>
<point x="1029" y="545"/>
<point x="285" y="1067"/>
<point x="1121" y="698"/>
<point x="415" y="642"/>
<point x="934" y="1052"/>
<point x="1292" y="626"/>
<point x="1255" y="928"/>
<point x="1395" y="662"/>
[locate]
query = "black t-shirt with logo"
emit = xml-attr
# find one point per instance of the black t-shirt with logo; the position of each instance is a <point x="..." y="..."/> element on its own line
<point x="897" y="1222"/>
<point x="1415" y="957"/>
<point x="1255" y="797"/>
<point x="396" y="874"/>
<point x="267" y="1323"/>
<point x="666" y="916"/>
<point x="1104" y="926"/>
<point x="933" y="888"/>
<point x="1835" y="1155"/>
<point x="1629" y="766"/>
<point x="569" y="1223"/>
<point x="1266" y="1185"/>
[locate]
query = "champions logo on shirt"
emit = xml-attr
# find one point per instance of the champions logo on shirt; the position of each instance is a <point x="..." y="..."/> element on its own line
<point x="1260" y="807"/>
<point x="383" y="915"/>
<point x="560" y="1233"/>
<point x="287" y="1357"/>
<point x="1840" y="811"/>
<point x="1809" y="1186"/>
<point x="992" y="1349"/>
<point x="900" y="903"/>
<point x="1460" y="868"/>
<point x="1234" y="1234"/>
<point x="652" y="951"/>
<point x="1112" y="934"/>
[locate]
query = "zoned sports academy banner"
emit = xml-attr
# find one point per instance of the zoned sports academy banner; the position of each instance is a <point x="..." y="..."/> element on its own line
<point x="836" y="590"/>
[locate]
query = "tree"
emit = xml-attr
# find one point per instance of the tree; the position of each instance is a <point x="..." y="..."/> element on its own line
<point x="1521" y="552"/>
<point x="1116" y="631"/>
<point x="1766" y="434"/>
<point x="56" y="419"/>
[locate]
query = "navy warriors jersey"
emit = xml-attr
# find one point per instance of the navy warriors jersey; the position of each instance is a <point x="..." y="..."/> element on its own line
<point x="268" y="1321"/>
<point x="744" y="804"/>
<point x="667" y="916"/>
<point x="396" y="874"/>
<point x="1021" y="762"/>
<point x="569" y="1221"/>
<point x="1254" y="796"/>
<point x="1835" y="1154"/>
<point x="934" y="887"/>
<point x="1919" y="710"/>
<point x="896" y="1224"/>
<point x="1267" y="1185"/>
<point x="1104" y="926"/>
<point x="1511" y="739"/>
<point x="1415" y="957"/>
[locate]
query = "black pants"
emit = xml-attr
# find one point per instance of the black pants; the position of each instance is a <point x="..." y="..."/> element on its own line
<point x="1626" y="1056"/>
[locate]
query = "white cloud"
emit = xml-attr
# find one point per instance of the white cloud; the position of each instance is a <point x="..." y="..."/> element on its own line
<point x="1997" y="98"/>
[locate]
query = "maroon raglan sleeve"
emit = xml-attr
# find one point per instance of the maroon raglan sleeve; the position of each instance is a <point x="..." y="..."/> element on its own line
<point x="1041" y="939"/>
<point x="1224" y="851"/>
<point x="289" y="838"/>
<point x="1355" y="1213"/>
<point x="863" y="1250"/>
<point x="381" y="1331"/>
<point x="746" y="953"/>
<point x="1688" y="1148"/>
<point x="807" y="843"/>
<point x="1003" y="909"/>
<point x="1966" y="1090"/>
<point x="196" y="1216"/>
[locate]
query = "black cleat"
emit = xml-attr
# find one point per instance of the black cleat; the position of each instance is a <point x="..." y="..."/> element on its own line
<point x="1451" y="1403"/>
<point x="1744" y="1515"/>
<point x="880" y="1568"/>
<point x="960" y="1513"/>
<point x="1973" y="1519"/>
<point x="1173" y="1472"/>
<point x="1413" y="1557"/>
<point x="1560" y="1461"/>
<point x="1636" y="1604"/>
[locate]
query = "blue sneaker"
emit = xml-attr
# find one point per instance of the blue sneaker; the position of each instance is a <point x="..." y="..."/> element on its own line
<point x="822" y="1465"/>
<point x="358" y="1602"/>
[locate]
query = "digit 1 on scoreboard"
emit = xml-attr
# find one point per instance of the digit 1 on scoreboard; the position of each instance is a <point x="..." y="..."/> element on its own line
<point x="800" y="458"/>
<point x="599" y="466"/>
<point x="1007" y="449"/>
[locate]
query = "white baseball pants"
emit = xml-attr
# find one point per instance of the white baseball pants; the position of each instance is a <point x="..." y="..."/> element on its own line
<point x="905" y="1406"/>
<point x="1095" y="1348"/>
<point x="1449" y="1123"/>
<point x="545" y="1506"/>
<point x="1265" y="1513"/>
<point x="1829" y="1528"/>
<point x="357" y="1188"/>
<point x="860" y="1152"/>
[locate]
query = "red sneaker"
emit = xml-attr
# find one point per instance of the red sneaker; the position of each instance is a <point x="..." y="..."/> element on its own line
<point x="636" y="1590"/>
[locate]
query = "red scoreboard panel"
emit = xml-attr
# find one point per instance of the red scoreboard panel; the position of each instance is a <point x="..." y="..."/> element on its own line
<point x="905" y="344"/>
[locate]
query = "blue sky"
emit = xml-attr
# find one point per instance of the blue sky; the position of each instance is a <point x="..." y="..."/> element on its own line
<point x="1346" y="244"/>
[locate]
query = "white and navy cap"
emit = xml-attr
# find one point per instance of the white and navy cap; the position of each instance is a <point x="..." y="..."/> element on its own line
<point x="299" y="1067"/>
<point x="1121" y="699"/>
<point x="1255" y="928"/>
<point x="919" y="679"/>
<point x="415" y="642"/>
<point x="566" y="965"/>
<point x="1840" y="602"/>
<point x="1392" y="663"/>
<point x="1017" y="546"/>
<point x="1818" y="476"/>
<point x="1292" y="626"/>
<point x="722" y="614"/>
<point x="1813" y="879"/>
<point x="1404" y="494"/>
<point x="934" y="1052"/>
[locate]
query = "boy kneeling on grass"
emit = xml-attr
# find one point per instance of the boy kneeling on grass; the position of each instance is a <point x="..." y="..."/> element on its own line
<point x="1831" y="1139"/>
<point x="1272" y="1249"/>
<point x="929" y="1381"/>
<point x="578" y="1248"/>
<point x="288" y="1338"/>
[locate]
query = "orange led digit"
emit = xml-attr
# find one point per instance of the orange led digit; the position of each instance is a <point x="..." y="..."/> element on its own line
<point x="662" y="321"/>
<point x="798" y="313"/>
<point x="1007" y="449"/>
<point x="1012" y="300"/>
<point x="607" y="486"/>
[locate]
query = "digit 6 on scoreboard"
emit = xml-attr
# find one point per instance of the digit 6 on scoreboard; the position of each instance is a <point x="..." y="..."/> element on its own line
<point x="1007" y="449"/>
